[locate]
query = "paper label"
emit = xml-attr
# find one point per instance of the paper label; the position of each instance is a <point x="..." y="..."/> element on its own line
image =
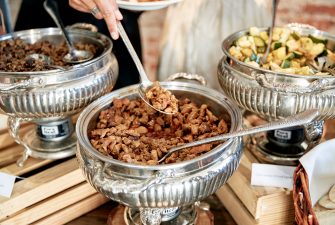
<point x="6" y="184"/>
<point x="50" y="130"/>
<point x="283" y="134"/>
<point x="272" y="175"/>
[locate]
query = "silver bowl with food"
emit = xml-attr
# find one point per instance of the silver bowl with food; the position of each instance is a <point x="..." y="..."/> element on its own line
<point x="124" y="172"/>
<point x="297" y="75"/>
<point x="48" y="92"/>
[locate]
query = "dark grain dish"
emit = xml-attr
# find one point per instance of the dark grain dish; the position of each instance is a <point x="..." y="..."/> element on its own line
<point x="133" y="132"/>
<point x="13" y="54"/>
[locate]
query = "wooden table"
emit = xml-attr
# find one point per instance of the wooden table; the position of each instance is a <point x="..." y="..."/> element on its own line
<point x="99" y="215"/>
<point x="221" y="215"/>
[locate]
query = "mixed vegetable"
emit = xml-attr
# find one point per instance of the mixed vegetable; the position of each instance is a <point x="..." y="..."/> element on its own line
<point x="289" y="53"/>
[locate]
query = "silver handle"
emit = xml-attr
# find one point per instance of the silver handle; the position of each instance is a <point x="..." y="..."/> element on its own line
<point x="133" y="54"/>
<point x="84" y="26"/>
<point x="317" y="85"/>
<point x="188" y="76"/>
<point x="121" y="185"/>
<point x="30" y="83"/>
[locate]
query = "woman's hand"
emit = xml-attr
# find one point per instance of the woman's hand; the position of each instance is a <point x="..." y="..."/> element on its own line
<point x="101" y="9"/>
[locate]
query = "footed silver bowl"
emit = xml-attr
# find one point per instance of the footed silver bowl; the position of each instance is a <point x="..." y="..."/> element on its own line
<point x="273" y="95"/>
<point x="50" y="98"/>
<point x="161" y="193"/>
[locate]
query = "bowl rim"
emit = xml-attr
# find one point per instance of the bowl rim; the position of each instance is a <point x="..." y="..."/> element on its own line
<point x="232" y="37"/>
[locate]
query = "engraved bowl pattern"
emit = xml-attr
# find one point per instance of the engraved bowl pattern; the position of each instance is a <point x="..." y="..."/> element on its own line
<point x="58" y="93"/>
<point x="160" y="186"/>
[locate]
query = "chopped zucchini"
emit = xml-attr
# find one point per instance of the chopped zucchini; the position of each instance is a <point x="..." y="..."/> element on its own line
<point x="306" y="43"/>
<point x="258" y="41"/>
<point x="290" y="56"/>
<point x="286" y="64"/>
<point x="276" y="45"/>
<point x="317" y="39"/>
<point x="284" y="35"/>
<point x="324" y="53"/>
<point x="317" y="49"/>
<point x="246" y="60"/>
<point x="295" y="36"/>
<point x="292" y="45"/>
<point x="264" y="36"/>
<point x="243" y="42"/>
<point x="295" y="64"/>
<point x="281" y="53"/>
<point x="254" y="31"/>
<point x="261" y="49"/>
<point x="297" y="54"/>
<point x="247" y="52"/>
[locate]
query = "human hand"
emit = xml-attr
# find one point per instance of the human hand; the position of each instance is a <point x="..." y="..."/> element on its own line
<point x="101" y="9"/>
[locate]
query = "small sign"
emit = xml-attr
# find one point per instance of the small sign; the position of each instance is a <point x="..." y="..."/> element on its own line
<point x="6" y="184"/>
<point x="272" y="175"/>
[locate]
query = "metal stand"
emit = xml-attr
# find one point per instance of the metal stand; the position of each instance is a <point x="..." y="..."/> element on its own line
<point x="53" y="138"/>
<point x="197" y="214"/>
<point x="286" y="146"/>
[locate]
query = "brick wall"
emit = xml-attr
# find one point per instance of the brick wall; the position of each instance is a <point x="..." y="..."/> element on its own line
<point x="318" y="13"/>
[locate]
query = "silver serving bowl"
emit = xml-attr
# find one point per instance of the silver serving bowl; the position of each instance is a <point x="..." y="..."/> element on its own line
<point x="272" y="94"/>
<point x="58" y="93"/>
<point x="50" y="97"/>
<point x="160" y="186"/>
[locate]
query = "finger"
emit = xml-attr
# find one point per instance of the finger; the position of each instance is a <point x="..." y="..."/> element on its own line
<point x="116" y="10"/>
<point x="108" y="13"/>
<point x="94" y="9"/>
<point x="78" y="5"/>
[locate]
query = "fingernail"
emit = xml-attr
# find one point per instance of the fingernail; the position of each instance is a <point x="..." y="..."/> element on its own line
<point x="115" y="35"/>
<point x="118" y="15"/>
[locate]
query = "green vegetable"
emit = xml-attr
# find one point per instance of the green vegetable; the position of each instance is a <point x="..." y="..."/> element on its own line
<point x="316" y="39"/>
<point x="317" y="49"/>
<point x="286" y="64"/>
<point x="276" y="45"/>
<point x="297" y="54"/>
<point x="290" y="56"/>
<point x="259" y="41"/>
<point x="295" y="35"/>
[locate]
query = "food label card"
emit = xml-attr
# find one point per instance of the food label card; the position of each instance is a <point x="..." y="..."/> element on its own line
<point x="6" y="184"/>
<point x="272" y="175"/>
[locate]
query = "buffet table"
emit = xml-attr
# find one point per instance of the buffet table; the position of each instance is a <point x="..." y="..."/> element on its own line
<point x="61" y="195"/>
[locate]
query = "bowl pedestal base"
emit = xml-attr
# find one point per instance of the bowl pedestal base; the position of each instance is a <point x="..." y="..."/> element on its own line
<point x="122" y="215"/>
<point x="53" y="138"/>
<point x="286" y="146"/>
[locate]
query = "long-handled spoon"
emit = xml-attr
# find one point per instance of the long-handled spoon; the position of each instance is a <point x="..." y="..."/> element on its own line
<point x="145" y="84"/>
<point x="274" y="12"/>
<point x="74" y="56"/>
<point x="291" y="121"/>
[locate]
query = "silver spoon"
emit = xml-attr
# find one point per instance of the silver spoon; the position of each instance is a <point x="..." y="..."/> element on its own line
<point x="274" y="12"/>
<point x="47" y="61"/>
<point x="74" y="56"/>
<point x="145" y="84"/>
<point x="291" y="121"/>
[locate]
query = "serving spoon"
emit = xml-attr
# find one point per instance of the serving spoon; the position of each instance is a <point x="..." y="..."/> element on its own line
<point x="145" y="84"/>
<point x="46" y="60"/>
<point x="291" y="121"/>
<point x="273" y="20"/>
<point x="74" y="56"/>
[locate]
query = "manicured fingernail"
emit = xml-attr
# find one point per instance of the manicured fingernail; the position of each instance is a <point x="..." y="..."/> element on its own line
<point x="118" y="15"/>
<point x="115" y="35"/>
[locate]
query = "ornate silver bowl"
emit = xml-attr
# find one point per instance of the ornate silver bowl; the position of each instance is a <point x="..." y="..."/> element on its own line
<point x="49" y="98"/>
<point x="274" y="95"/>
<point x="160" y="192"/>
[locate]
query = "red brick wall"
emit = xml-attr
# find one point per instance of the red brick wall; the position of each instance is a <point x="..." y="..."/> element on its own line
<point x="318" y="13"/>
